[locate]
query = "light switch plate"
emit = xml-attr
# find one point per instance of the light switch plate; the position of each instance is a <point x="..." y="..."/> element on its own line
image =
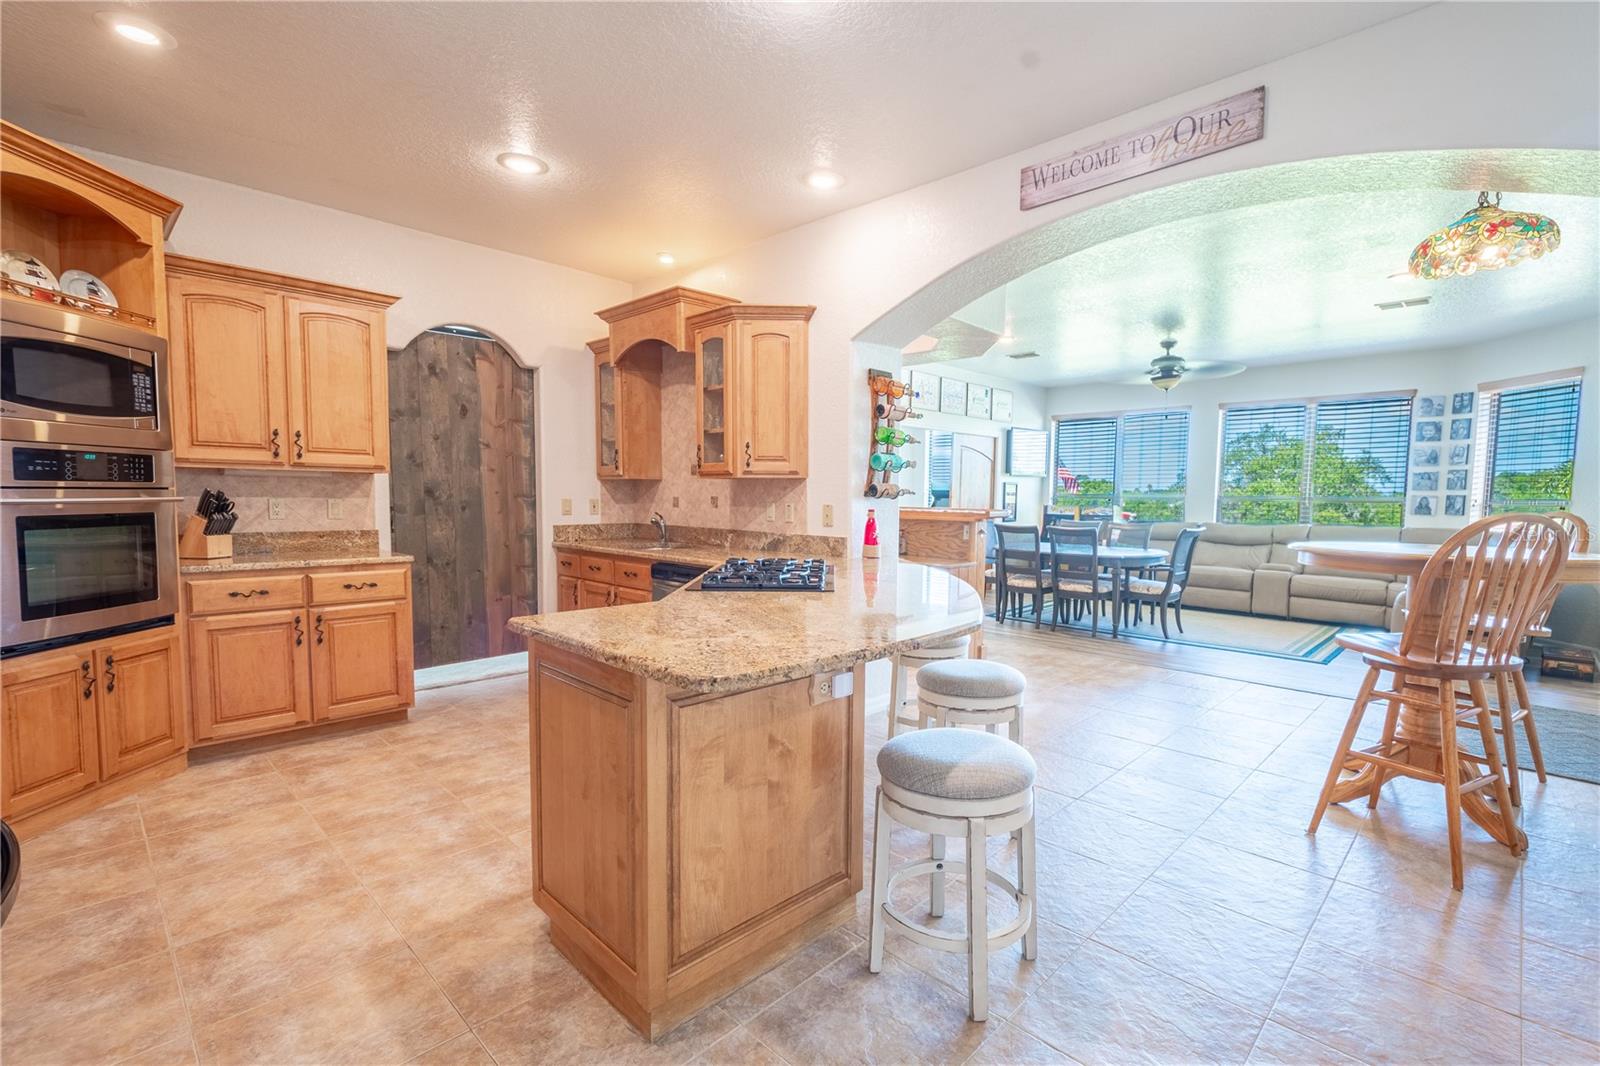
<point x="276" y="511"/>
<point x="566" y="505"/>
<point x="788" y="512"/>
<point x="335" y="508"/>
<point x="594" y="506"/>
<point x="827" y="516"/>
<point x="714" y="502"/>
<point x="772" y="512"/>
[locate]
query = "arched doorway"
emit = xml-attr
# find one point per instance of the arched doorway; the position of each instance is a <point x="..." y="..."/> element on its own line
<point x="462" y="490"/>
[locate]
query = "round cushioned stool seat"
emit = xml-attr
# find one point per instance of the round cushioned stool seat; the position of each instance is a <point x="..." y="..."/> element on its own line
<point x="957" y="764"/>
<point x="973" y="679"/>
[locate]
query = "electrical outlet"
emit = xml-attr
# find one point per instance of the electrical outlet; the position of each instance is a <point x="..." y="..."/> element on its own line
<point x="594" y="506"/>
<point x="826" y="687"/>
<point x="276" y="510"/>
<point x="827" y="516"/>
<point x="714" y="502"/>
<point x="336" y="509"/>
<point x="566" y="505"/>
<point x="674" y="501"/>
<point x="772" y="512"/>
<point x="788" y="513"/>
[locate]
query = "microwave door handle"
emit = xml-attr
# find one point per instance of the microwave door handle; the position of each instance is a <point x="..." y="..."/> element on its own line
<point x="91" y="499"/>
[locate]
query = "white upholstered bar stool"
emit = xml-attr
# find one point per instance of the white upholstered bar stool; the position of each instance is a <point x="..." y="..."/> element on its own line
<point x="957" y="782"/>
<point x="972" y="692"/>
<point x="911" y="661"/>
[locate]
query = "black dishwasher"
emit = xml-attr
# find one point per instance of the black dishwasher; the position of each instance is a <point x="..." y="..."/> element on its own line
<point x="668" y="577"/>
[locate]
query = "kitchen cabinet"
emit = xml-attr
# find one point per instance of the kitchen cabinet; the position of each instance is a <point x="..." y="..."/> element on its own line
<point x="627" y="413"/>
<point x="586" y="579"/>
<point x="269" y="370"/>
<point x="594" y="594"/>
<point x="751" y="388"/>
<point x="80" y="717"/>
<point x="281" y="650"/>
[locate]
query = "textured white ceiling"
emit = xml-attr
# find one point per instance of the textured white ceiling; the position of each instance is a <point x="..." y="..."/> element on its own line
<point x="1280" y="282"/>
<point x="682" y="127"/>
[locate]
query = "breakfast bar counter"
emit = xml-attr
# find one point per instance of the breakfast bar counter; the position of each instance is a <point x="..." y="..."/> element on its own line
<point x="697" y="767"/>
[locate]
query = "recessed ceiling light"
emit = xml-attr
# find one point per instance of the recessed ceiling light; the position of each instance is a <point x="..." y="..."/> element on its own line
<point x="137" y="30"/>
<point x="824" y="180"/>
<point x="522" y="163"/>
<point x="665" y="258"/>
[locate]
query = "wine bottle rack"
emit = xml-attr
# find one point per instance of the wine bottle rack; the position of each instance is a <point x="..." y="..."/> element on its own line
<point x="890" y="401"/>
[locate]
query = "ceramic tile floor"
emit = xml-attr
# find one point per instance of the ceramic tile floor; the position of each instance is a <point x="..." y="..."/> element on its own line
<point x="365" y="899"/>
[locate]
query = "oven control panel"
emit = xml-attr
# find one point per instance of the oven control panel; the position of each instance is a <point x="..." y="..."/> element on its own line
<point x="40" y="464"/>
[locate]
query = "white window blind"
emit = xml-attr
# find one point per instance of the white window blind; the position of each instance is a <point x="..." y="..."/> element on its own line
<point x="1532" y="440"/>
<point x="1087" y="448"/>
<point x="941" y="455"/>
<point x="1332" y="462"/>
<point x="1136" y="463"/>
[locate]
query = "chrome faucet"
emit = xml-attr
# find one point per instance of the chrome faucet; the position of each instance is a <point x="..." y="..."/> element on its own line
<point x="661" y="527"/>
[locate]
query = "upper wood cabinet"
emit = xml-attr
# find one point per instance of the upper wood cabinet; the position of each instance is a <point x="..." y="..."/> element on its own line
<point x="627" y="414"/>
<point x="271" y="370"/>
<point x="751" y="390"/>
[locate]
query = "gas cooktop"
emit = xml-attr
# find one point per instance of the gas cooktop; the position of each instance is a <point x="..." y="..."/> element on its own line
<point x="769" y="575"/>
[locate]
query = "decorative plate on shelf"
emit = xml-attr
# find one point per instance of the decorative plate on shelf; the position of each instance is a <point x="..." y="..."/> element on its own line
<point x="84" y="284"/>
<point x="26" y="268"/>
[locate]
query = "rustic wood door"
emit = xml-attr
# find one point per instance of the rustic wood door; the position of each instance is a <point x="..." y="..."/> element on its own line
<point x="227" y="371"/>
<point x="972" y="472"/>
<point x="770" y="374"/>
<point x="249" y="673"/>
<point x="361" y="659"/>
<point x="338" y="387"/>
<point x="461" y="493"/>
<point x="47" y="712"/>
<point x="141" y="701"/>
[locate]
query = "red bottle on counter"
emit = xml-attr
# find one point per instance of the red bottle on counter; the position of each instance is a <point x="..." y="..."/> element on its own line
<point x="869" y="541"/>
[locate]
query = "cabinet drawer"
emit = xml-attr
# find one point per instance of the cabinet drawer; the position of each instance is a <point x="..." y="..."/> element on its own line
<point x="567" y="564"/>
<point x="631" y="574"/>
<point x="245" y="593"/>
<point x="597" y="568"/>
<point x="347" y="586"/>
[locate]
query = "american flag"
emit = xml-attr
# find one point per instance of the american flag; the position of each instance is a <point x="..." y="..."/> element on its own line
<point x="1069" y="480"/>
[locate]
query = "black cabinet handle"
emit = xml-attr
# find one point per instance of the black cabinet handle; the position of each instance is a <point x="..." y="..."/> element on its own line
<point x="299" y="448"/>
<point x="319" y="629"/>
<point x="699" y="450"/>
<point x="747" y="455"/>
<point x="275" y="448"/>
<point x="88" y="680"/>
<point x="361" y="585"/>
<point x="111" y="673"/>
<point x="299" y="633"/>
<point x="245" y="595"/>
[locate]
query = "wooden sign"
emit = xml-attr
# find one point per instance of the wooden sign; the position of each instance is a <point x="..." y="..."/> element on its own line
<point x="1196" y="133"/>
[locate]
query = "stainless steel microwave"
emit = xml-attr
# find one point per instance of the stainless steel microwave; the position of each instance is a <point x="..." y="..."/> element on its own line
<point x="68" y="377"/>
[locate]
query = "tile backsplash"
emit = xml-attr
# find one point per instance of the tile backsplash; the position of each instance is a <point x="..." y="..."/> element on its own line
<point x="713" y="502"/>
<point x="305" y="497"/>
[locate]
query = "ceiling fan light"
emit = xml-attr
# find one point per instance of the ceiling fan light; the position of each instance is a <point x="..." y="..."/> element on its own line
<point x="1166" y="378"/>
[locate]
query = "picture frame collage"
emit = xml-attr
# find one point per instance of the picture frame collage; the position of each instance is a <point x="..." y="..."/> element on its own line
<point x="1440" y="470"/>
<point x="955" y="396"/>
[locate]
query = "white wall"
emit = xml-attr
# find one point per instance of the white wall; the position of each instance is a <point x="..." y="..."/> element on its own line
<point x="541" y="311"/>
<point x="1429" y="372"/>
<point x="886" y="271"/>
<point x="1028" y="411"/>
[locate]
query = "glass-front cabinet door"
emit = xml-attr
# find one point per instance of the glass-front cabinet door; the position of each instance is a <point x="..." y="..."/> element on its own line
<point x="608" y="462"/>
<point x="711" y="401"/>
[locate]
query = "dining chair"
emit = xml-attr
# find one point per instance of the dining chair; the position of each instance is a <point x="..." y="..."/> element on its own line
<point x="1018" y="571"/>
<point x="1162" y="586"/>
<point x="1473" y="602"/>
<point x="1128" y="534"/>
<point x="1075" y="573"/>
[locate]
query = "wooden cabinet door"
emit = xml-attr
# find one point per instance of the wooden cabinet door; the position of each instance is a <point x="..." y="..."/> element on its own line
<point x="141" y="701"/>
<point x="226" y="361"/>
<point x="566" y="594"/>
<point x="594" y="594"/>
<point x="249" y="673"/>
<point x="770" y="376"/>
<point x="714" y="413"/>
<point x="361" y="659"/>
<point x="338" y="385"/>
<point x="47" y="711"/>
<point x="627" y="595"/>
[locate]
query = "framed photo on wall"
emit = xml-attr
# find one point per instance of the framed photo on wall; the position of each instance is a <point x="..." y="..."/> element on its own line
<point x="1429" y="431"/>
<point x="1461" y="403"/>
<point x="1000" y="405"/>
<point x="1425" y="506"/>
<point x="1455" y="505"/>
<point x="952" y="396"/>
<point x="1430" y="407"/>
<point x="1425" y="456"/>
<point x="924" y="391"/>
<point x="1426" y="482"/>
<point x="977" y="401"/>
<point x="1456" y="481"/>
<point x="1461" y="429"/>
<point x="1460" y="455"/>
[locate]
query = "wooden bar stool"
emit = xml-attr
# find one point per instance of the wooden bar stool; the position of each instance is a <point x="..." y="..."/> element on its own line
<point x="972" y="692"/>
<point x="915" y="659"/>
<point x="1472" y="605"/>
<point x="957" y="782"/>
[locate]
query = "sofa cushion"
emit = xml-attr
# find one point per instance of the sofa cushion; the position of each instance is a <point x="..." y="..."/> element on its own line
<point x="1425" y="535"/>
<point x="1234" y="578"/>
<point x="1341" y="589"/>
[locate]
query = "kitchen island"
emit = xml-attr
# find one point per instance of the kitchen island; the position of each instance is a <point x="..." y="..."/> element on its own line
<point x="697" y="774"/>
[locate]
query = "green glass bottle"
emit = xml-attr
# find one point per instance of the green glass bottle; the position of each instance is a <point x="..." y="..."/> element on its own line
<point x="894" y="437"/>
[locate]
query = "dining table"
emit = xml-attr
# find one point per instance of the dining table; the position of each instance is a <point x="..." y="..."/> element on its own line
<point x="1117" y="558"/>
<point x="1421" y="729"/>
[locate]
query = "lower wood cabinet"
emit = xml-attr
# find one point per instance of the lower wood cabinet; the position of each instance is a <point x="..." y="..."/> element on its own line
<point x="594" y="593"/>
<point x="286" y="649"/>
<point x="591" y="580"/>
<point x="80" y="716"/>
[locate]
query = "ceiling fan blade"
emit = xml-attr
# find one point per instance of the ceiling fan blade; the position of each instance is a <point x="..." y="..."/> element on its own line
<point x="1213" y="370"/>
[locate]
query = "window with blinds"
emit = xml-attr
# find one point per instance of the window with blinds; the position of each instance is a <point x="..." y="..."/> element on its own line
<point x="1532" y="441"/>
<point x="1138" y="463"/>
<point x="941" y="456"/>
<point x="1086" y="450"/>
<point x="1331" y="462"/>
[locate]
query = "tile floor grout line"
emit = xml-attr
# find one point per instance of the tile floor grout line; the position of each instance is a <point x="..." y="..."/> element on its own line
<point x="166" y="933"/>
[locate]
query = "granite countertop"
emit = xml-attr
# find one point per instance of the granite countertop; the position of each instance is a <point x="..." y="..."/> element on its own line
<point x="291" y="559"/>
<point x="733" y="641"/>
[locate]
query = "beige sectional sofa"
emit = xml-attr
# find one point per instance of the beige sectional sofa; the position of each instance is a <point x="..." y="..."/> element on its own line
<point x="1250" y="569"/>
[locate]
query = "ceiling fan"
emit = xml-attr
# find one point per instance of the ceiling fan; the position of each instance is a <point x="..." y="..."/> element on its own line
<point x="1167" y="369"/>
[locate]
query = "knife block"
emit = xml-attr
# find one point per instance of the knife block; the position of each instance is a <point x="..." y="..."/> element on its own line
<point x="193" y="543"/>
